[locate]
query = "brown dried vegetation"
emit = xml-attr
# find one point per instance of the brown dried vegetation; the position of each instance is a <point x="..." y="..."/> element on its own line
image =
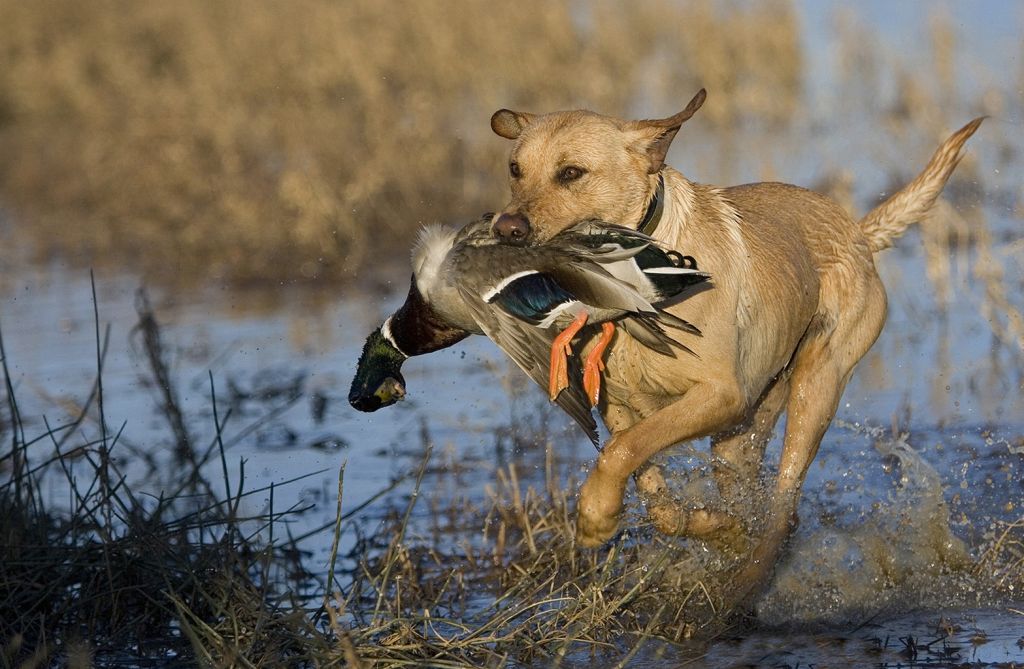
<point x="267" y="141"/>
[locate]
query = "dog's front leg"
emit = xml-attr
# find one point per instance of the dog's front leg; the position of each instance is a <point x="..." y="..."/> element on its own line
<point x="704" y="409"/>
<point x="737" y="466"/>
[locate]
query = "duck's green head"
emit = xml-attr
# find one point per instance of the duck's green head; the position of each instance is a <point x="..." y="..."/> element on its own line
<point x="378" y="381"/>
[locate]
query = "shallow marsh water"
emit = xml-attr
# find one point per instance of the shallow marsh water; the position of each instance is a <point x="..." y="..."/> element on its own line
<point x="927" y="450"/>
<point x="880" y="519"/>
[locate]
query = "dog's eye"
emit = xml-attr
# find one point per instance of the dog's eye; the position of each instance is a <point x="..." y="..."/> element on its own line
<point x="513" y="169"/>
<point x="571" y="173"/>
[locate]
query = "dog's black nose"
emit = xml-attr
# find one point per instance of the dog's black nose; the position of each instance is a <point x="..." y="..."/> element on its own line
<point x="511" y="227"/>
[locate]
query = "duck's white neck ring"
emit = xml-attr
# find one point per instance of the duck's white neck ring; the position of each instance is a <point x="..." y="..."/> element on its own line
<point x="385" y="331"/>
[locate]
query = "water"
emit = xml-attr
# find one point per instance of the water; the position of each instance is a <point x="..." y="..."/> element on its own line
<point x="971" y="637"/>
<point x="257" y="352"/>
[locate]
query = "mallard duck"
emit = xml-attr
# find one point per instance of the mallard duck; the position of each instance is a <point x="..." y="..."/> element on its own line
<point x="531" y="300"/>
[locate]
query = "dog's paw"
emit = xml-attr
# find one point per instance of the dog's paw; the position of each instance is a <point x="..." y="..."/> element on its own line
<point x="651" y="482"/>
<point x="716" y="527"/>
<point x="668" y="519"/>
<point x="597" y="512"/>
<point x="594" y="531"/>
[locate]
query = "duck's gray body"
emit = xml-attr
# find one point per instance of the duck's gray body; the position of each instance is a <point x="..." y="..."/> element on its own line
<point x="453" y="270"/>
<point x="469" y="282"/>
<point x="477" y="282"/>
<point x="437" y="258"/>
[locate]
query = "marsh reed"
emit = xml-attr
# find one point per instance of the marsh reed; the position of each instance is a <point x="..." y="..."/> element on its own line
<point x="266" y="141"/>
<point x="107" y="572"/>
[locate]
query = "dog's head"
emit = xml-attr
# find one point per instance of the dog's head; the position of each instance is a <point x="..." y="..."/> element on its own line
<point x="570" y="166"/>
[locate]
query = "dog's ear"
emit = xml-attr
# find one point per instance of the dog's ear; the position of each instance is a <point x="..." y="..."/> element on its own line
<point x="659" y="133"/>
<point x="510" y="124"/>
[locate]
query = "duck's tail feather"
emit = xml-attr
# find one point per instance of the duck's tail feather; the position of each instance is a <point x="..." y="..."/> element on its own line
<point x="690" y="272"/>
<point x="670" y="282"/>
<point x="665" y="318"/>
<point x="609" y="253"/>
<point x="647" y="331"/>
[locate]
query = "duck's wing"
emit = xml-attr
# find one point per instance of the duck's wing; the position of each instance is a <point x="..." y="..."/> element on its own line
<point x="656" y="272"/>
<point x="622" y="264"/>
<point x="530" y="348"/>
<point x="538" y="297"/>
<point x="595" y="234"/>
<point x="595" y="285"/>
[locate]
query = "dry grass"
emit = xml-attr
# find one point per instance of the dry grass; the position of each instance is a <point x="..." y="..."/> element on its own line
<point x="264" y="140"/>
<point x="548" y="599"/>
<point x="1002" y="561"/>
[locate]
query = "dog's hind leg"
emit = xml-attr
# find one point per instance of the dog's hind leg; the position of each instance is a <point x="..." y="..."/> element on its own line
<point x="821" y="368"/>
<point x="743" y="450"/>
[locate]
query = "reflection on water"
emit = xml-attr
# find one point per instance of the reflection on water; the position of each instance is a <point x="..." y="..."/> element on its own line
<point x="969" y="637"/>
<point x="283" y="371"/>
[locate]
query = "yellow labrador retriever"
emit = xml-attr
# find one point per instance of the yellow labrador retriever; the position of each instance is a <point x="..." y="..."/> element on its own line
<point x="796" y="303"/>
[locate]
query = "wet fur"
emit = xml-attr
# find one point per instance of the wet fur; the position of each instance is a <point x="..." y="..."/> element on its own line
<point x="796" y="303"/>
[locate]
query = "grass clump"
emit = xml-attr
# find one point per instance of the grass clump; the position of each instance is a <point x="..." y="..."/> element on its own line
<point x="100" y="574"/>
<point x="513" y="588"/>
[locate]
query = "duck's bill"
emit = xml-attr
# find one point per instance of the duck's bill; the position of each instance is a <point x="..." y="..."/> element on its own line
<point x="390" y="391"/>
<point x="378" y="381"/>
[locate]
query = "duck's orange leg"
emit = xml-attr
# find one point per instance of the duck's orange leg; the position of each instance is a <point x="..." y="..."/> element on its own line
<point x="594" y="365"/>
<point x="560" y="349"/>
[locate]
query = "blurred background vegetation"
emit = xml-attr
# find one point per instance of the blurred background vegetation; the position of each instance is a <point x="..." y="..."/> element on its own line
<point x="258" y="141"/>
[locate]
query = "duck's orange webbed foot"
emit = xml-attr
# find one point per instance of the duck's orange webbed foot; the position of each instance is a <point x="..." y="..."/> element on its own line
<point x="560" y="350"/>
<point x="594" y="364"/>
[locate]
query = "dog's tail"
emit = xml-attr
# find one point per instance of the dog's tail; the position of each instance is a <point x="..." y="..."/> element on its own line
<point x="883" y="224"/>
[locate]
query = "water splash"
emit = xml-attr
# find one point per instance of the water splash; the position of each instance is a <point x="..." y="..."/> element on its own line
<point x="898" y="552"/>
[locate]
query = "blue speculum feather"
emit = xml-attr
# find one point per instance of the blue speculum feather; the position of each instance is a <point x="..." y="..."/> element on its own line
<point x="532" y="297"/>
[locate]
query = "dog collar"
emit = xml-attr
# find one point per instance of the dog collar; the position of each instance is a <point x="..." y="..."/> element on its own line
<point x="649" y="223"/>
